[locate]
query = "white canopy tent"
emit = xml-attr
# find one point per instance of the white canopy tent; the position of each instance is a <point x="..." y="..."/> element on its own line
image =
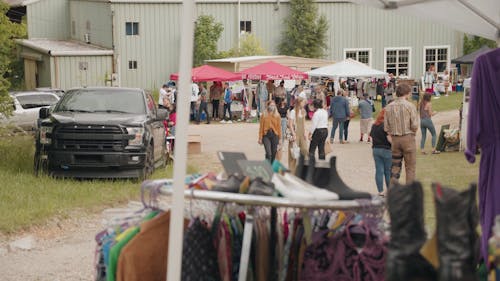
<point x="477" y="17"/>
<point x="348" y="68"/>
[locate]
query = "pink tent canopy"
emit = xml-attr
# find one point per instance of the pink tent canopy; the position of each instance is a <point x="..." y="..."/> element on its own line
<point x="272" y="71"/>
<point x="209" y="73"/>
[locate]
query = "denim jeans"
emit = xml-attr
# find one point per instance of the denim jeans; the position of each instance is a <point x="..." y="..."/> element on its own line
<point x="283" y="129"/>
<point x="383" y="163"/>
<point x="227" y="107"/>
<point x="338" y="123"/>
<point x="426" y="124"/>
<point x="270" y="141"/>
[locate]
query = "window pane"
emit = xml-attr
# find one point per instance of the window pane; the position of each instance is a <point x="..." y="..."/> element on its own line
<point x="135" y="28"/>
<point x="350" y="54"/>
<point x="441" y="66"/>
<point x="248" y="26"/>
<point x="391" y="70"/>
<point x="128" y="28"/>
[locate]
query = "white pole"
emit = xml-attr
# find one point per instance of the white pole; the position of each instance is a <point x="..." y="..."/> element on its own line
<point x="177" y="213"/>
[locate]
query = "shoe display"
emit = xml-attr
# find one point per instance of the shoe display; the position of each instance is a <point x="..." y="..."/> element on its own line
<point x="458" y="243"/>
<point x="319" y="194"/>
<point x="260" y="187"/>
<point x="406" y="212"/>
<point x="232" y="184"/>
<point x="223" y="121"/>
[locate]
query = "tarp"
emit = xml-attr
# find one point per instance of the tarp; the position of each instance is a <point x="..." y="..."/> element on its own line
<point x="206" y="73"/>
<point x="347" y="68"/>
<point x="272" y="71"/>
<point x="478" y="17"/>
<point x="469" y="58"/>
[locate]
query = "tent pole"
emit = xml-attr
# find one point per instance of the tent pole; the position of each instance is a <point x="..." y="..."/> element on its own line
<point x="480" y="14"/>
<point x="177" y="213"/>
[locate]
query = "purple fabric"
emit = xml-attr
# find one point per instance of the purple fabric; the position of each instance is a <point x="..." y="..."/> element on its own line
<point x="338" y="258"/>
<point x="483" y="130"/>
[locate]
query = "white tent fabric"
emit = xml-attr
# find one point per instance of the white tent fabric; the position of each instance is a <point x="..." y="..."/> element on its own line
<point x="477" y="17"/>
<point x="348" y="68"/>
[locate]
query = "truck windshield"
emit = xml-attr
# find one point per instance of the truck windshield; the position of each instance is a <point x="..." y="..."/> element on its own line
<point x="103" y="100"/>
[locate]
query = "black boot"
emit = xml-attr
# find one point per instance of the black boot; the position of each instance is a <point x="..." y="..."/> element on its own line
<point x="300" y="170"/>
<point x="310" y="170"/>
<point x="329" y="178"/>
<point x="232" y="184"/>
<point x="404" y="262"/>
<point x="457" y="218"/>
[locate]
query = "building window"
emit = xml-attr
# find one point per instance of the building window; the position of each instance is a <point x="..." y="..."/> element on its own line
<point x="397" y="61"/>
<point x="132" y="64"/>
<point x="438" y="56"/>
<point x="132" y="28"/>
<point x="361" y="55"/>
<point x="245" y="27"/>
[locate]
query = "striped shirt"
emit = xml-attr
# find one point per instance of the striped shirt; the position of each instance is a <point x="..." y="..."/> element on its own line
<point x="400" y="118"/>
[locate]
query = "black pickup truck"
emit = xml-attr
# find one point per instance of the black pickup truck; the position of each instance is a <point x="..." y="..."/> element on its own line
<point x="101" y="133"/>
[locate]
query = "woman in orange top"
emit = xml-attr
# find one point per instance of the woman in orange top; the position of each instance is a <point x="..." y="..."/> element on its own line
<point x="270" y="130"/>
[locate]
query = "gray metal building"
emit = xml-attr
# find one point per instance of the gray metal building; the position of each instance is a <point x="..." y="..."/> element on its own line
<point x="143" y="35"/>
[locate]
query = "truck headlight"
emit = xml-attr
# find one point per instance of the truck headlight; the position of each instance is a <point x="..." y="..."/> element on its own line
<point x="137" y="133"/>
<point x="44" y="135"/>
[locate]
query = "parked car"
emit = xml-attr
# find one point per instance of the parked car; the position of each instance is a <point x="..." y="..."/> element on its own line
<point x="56" y="91"/>
<point x="26" y="106"/>
<point x="101" y="133"/>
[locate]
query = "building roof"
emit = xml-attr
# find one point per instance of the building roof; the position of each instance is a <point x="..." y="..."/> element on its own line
<point x="28" y="2"/>
<point x="259" y="58"/>
<point x="64" y="48"/>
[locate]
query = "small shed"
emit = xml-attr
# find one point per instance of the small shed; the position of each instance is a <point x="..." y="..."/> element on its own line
<point x="241" y="63"/>
<point x="65" y="64"/>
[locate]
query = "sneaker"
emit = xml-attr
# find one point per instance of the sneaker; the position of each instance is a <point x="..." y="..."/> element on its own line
<point x="229" y="122"/>
<point x="436" y="98"/>
<point x="223" y="121"/>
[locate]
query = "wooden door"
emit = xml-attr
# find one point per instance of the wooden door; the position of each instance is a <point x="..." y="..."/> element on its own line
<point x="30" y="73"/>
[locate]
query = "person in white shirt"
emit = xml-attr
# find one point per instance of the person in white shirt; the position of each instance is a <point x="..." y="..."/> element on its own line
<point x="194" y="99"/>
<point x="319" y="130"/>
<point x="446" y="82"/>
<point x="162" y="96"/>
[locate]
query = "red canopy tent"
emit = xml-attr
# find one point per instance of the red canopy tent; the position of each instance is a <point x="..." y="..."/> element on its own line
<point x="272" y="71"/>
<point x="209" y="73"/>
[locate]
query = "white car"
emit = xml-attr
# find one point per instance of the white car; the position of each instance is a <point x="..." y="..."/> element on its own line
<point x="26" y="106"/>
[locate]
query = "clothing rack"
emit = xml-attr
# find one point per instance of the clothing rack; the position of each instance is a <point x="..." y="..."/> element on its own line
<point x="164" y="187"/>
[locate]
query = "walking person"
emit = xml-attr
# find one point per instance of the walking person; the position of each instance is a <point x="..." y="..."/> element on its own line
<point x="228" y="99"/>
<point x="426" y="123"/>
<point x="162" y="96"/>
<point x="202" y="97"/>
<point x="382" y="154"/>
<point x="348" y="118"/>
<point x="401" y="124"/>
<point x="270" y="131"/>
<point x="446" y="82"/>
<point x="280" y="92"/>
<point x="215" y="95"/>
<point x="194" y="99"/>
<point x="296" y="124"/>
<point x="319" y="130"/>
<point x="366" y="111"/>
<point x="388" y="94"/>
<point x="263" y="97"/>
<point x="339" y="110"/>
<point x="283" y="111"/>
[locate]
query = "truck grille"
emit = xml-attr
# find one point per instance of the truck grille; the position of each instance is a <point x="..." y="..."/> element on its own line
<point x="90" y="138"/>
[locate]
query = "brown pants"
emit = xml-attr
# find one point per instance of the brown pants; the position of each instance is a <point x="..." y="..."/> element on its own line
<point x="404" y="147"/>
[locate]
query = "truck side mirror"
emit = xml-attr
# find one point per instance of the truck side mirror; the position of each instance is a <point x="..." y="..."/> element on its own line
<point x="44" y="113"/>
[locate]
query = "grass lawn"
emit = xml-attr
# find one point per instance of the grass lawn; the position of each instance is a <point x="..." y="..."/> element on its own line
<point x="452" y="102"/>
<point x="27" y="200"/>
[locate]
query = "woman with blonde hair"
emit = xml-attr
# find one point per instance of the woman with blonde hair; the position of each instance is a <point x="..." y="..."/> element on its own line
<point x="270" y="130"/>
<point x="296" y="124"/>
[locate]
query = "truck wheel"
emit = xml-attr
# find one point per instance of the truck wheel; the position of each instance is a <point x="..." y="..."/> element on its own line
<point x="149" y="162"/>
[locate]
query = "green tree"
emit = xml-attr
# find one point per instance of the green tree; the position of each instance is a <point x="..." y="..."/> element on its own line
<point x="472" y="43"/>
<point x="250" y="45"/>
<point x="305" y="31"/>
<point x="8" y="58"/>
<point x="206" y="34"/>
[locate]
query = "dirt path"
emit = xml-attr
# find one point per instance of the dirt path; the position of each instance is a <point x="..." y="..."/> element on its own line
<point x="65" y="250"/>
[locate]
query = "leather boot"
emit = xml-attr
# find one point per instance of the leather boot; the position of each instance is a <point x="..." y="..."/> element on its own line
<point x="329" y="179"/>
<point x="261" y="187"/>
<point x="457" y="219"/>
<point x="404" y="262"/>
<point x="232" y="184"/>
<point x="300" y="170"/>
<point x="310" y="170"/>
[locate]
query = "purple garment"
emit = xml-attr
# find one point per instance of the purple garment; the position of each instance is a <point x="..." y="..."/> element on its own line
<point x="338" y="258"/>
<point x="483" y="130"/>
